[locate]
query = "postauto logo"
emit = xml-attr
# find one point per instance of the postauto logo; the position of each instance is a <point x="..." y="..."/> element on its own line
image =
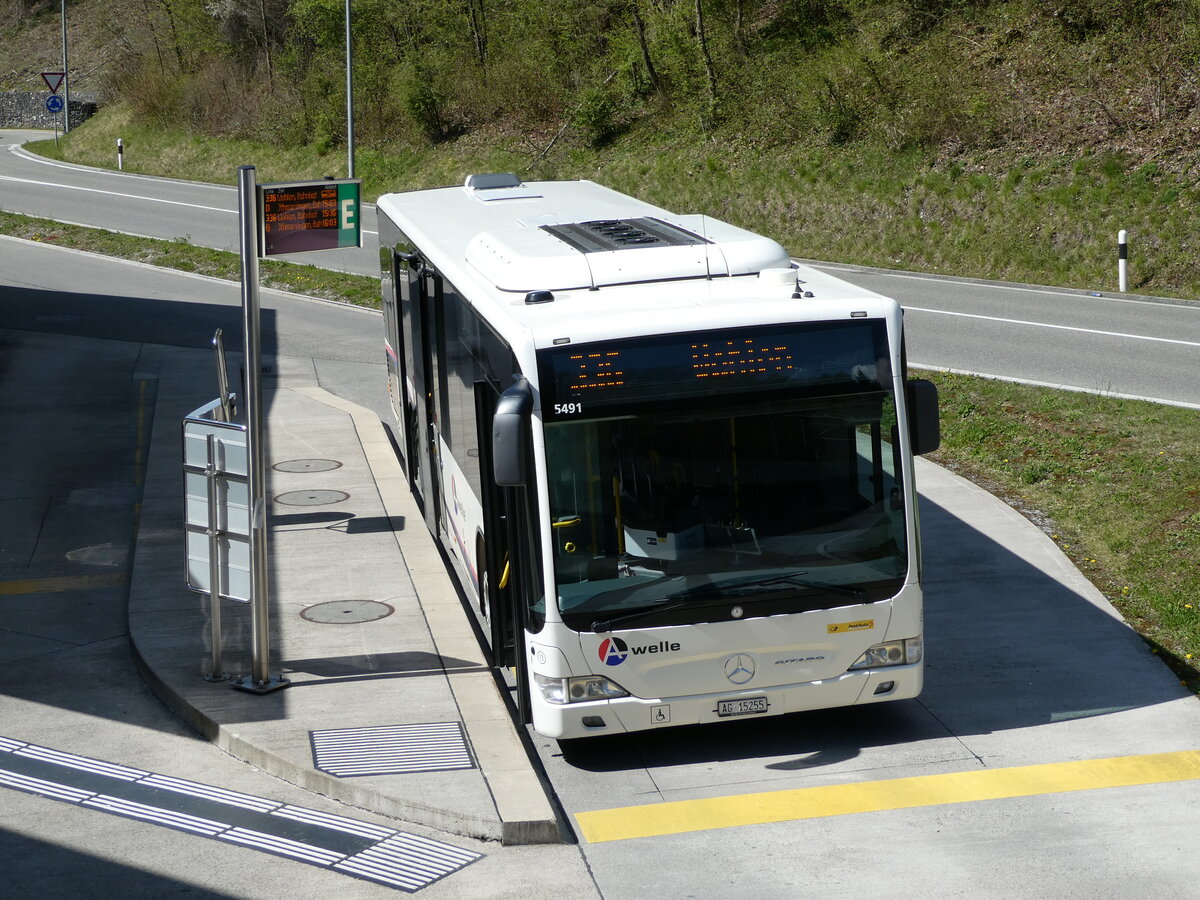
<point x="614" y="651"/>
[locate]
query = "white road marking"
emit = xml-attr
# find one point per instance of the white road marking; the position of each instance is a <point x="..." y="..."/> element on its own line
<point x="121" y="194"/>
<point x="17" y="150"/>
<point x="1004" y="321"/>
<point x="993" y="285"/>
<point x="1058" y="387"/>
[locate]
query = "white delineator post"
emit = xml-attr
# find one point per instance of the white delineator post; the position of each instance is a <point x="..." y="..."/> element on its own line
<point x="1122" y="261"/>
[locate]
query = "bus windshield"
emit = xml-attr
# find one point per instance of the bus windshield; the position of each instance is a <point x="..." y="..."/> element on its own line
<point x="684" y="501"/>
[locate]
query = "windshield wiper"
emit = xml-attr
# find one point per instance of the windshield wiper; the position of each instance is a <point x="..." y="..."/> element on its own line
<point x="737" y="588"/>
<point x="839" y="589"/>
<point x="670" y="603"/>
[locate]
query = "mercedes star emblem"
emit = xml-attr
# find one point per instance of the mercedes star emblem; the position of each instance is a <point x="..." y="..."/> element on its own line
<point x="739" y="669"/>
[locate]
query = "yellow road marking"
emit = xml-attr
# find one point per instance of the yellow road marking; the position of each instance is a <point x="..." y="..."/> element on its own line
<point x="681" y="816"/>
<point x="65" y="583"/>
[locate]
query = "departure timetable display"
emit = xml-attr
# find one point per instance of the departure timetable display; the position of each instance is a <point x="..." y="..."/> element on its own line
<point x="301" y="217"/>
<point x="599" y="379"/>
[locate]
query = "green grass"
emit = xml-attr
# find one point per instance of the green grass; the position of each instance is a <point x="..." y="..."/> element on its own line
<point x="315" y="282"/>
<point x="1049" y="219"/>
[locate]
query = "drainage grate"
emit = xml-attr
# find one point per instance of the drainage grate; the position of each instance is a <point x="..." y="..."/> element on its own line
<point x="307" y="465"/>
<point x="311" y="498"/>
<point x="392" y="749"/>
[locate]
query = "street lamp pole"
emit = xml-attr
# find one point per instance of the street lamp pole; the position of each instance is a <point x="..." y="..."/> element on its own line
<point x="349" y="94"/>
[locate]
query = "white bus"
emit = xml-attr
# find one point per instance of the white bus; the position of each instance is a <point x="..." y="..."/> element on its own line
<point x="672" y="468"/>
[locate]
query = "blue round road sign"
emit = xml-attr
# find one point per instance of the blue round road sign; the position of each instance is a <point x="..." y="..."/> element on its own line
<point x="54" y="103"/>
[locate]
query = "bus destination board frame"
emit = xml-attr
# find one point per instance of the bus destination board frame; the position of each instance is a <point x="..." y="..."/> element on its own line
<point x="305" y="216"/>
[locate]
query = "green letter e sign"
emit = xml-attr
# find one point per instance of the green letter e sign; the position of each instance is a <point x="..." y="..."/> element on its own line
<point x="349" y="228"/>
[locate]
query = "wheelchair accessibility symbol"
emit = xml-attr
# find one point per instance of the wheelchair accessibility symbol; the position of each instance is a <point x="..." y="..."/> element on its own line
<point x="660" y="715"/>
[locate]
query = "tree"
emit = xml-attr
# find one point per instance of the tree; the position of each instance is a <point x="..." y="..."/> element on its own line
<point x="640" y="28"/>
<point x="476" y="19"/>
<point x="702" y="40"/>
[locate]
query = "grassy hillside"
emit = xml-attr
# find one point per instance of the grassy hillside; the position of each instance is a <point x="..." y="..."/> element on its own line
<point x="1046" y="219"/>
<point x="1008" y="139"/>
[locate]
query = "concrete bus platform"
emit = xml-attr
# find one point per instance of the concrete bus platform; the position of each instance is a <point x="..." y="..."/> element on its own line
<point x="369" y="629"/>
<point x="390" y="705"/>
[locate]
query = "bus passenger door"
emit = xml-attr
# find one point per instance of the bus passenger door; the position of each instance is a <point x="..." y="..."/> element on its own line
<point x="408" y="292"/>
<point x="419" y="303"/>
<point x="495" y="594"/>
<point x="394" y="349"/>
<point x="519" y="601"/>
<point x="432" y="330"/>
<point x="523" y="589"/>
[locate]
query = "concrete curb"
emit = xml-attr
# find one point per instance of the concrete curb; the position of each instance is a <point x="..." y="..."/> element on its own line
<point x="526" y="816"/>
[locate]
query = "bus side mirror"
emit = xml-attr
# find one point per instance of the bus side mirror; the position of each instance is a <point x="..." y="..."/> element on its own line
<point x="924" y="429"/>
<point x="510" y="430"/>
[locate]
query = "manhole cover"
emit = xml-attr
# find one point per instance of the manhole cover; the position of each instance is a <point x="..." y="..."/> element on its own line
<point x="346" y="612"/>
<point x="307" y="465"/>
<point x="311" y="498"/>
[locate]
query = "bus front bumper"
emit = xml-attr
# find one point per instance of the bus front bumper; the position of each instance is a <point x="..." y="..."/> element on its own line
<point x="567" y="721"/>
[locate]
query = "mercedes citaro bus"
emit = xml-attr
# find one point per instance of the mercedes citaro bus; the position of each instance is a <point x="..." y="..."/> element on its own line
<point x="673" y="468"/>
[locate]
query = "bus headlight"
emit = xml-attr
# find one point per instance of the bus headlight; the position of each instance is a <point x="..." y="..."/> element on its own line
<point x="577" y="690"/>
<point x="892" y="653"/>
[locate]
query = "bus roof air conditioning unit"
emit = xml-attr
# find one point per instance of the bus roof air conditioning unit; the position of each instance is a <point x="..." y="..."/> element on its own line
<point x="606" y="252"/>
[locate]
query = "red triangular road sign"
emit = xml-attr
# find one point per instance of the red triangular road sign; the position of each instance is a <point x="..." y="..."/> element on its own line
<point x="53" y="80"/>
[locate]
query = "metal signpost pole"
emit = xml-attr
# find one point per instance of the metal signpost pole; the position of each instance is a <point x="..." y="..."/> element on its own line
<point x="54" y="103"/>
<point x="214" y="561"/>
<point x="66" y="77"/>
<point x="259" y="680"/>
<point x="288" y="218"/>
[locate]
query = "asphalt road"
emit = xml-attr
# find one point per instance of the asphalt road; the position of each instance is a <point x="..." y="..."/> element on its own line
<point x="144" y="304"/>
<point x="1110" y="343"/>
<point x="1096" y="342"/>
<point x="169" y="209"/>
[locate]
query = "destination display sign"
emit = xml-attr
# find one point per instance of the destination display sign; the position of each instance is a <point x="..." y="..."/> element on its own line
<point x="815" y="358"/>
<point x="303" y="216"/>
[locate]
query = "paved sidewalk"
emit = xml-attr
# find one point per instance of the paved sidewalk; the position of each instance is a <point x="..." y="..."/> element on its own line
<point x="365" y="623"/>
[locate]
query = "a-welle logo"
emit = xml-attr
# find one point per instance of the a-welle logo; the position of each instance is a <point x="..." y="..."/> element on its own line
<point x="613" y="651"/>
